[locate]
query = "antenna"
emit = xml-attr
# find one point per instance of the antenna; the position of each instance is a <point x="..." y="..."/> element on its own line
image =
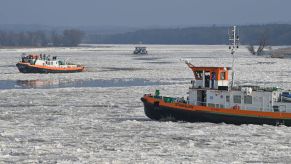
<point x="233" y="37"/>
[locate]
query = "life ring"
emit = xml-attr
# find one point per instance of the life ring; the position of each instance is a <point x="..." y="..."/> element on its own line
<point x="237" y="107"/>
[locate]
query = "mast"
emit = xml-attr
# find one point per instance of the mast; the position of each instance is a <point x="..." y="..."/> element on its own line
<point x="233" y="46"/>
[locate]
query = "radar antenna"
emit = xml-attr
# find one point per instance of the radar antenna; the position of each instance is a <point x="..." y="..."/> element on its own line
<point x="233" y="46"/>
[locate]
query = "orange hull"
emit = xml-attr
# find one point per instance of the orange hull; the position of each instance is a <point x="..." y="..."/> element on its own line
<point x="28" y="68"/>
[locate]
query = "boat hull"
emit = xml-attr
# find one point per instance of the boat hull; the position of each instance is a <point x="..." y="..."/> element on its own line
<point x="164" y="112"/>
<point x="27" y="68"/>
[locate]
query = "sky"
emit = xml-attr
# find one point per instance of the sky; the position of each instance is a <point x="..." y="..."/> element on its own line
<point x="144" y="13"/>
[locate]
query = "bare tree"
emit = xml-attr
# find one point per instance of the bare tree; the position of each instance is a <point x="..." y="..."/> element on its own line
<point x="262" y="44"/>
<point x="251" y="49"/>
<point x="72" y="37"/>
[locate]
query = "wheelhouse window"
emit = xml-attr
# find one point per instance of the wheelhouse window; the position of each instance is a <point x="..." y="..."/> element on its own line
<point x="237" y="99"/>
<point x="222" y="75"/>
<point x="248" y="99"/>
<point x="198" y="75"/>
<point x="227" y="98"/>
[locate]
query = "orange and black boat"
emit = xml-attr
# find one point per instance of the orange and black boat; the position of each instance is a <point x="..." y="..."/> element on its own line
<point x="44" y="64"/>
<point x="213" y="99"/>
<point x="210" y="99"/>
<point x="167" y="108"/>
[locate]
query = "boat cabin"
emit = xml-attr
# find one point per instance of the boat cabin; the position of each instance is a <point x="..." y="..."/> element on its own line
<point x="44" y="60"/>
<point x="210" y="87"/>
<point x="210" y="77"/>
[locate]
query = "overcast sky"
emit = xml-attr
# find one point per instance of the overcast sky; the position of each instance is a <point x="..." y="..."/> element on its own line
<point x="144" y="13"/>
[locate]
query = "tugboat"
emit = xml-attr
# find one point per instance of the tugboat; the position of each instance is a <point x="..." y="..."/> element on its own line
<point x="140" y="51"/>
<point x="44" y="64"/>
<point x="212" y="98"/>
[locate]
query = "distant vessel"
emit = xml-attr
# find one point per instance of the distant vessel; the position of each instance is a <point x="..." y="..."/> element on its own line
<point x="44" y="64"/>
<point x="140" y="51"/>
<point x="286" y="96"/>
<point x="212" y="98"/>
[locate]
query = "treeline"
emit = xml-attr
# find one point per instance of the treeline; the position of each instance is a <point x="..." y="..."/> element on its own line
<point x="69" y="37"/>
<point x="275" y="34"/>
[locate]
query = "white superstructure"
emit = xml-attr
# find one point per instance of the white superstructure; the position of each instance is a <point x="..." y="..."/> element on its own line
<point x="210" y="87"/>
<point x="44" y="60"/>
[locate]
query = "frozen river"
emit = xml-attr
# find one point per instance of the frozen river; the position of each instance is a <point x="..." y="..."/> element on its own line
<point x="97" y="116"/>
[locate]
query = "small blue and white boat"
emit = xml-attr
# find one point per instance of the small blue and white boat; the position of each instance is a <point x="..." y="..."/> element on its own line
<point x="286" y="96"/>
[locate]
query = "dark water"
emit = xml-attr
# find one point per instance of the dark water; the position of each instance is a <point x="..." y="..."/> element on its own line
<point x="147" y="58"/>
<point x="47" y="84"/>
<point x="121" y="69"/>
